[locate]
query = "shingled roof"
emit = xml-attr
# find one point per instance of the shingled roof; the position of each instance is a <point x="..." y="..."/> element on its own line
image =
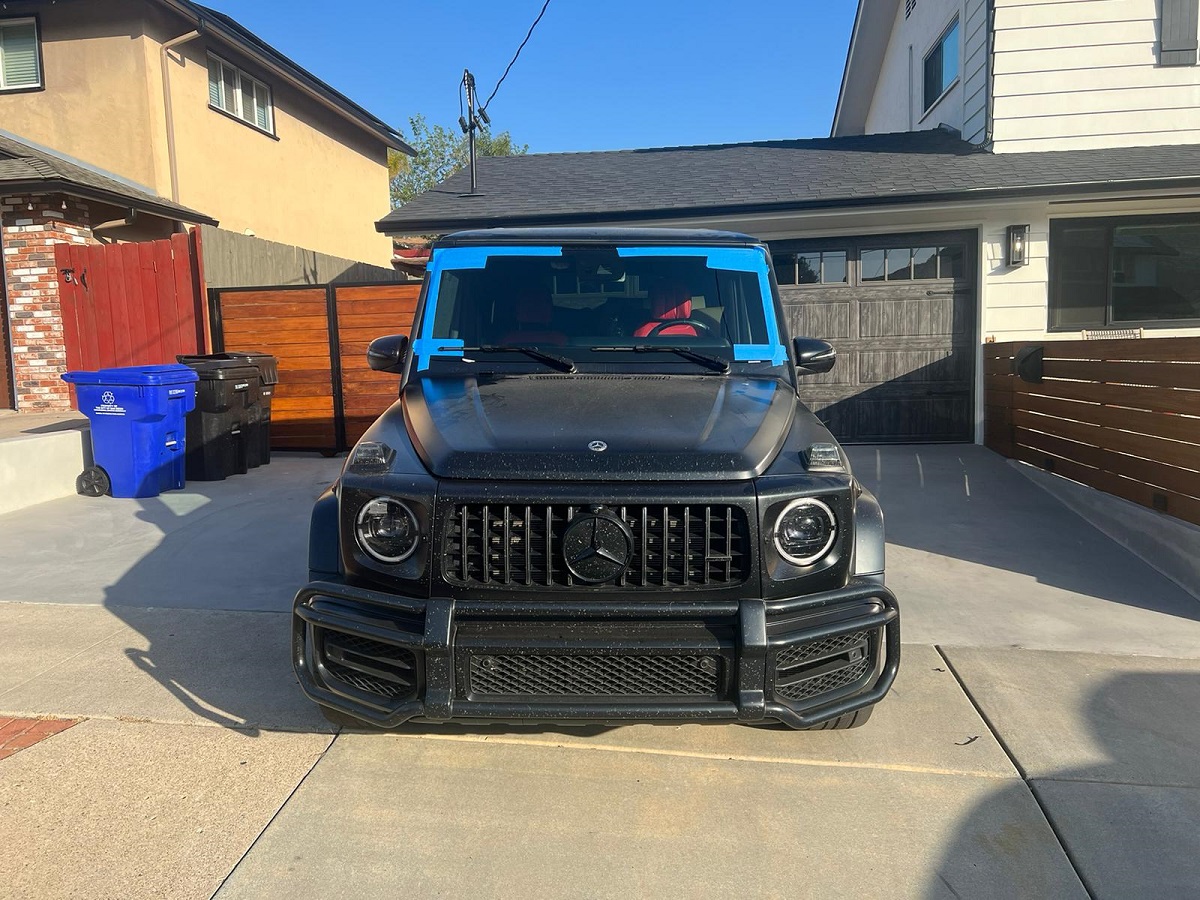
<point x="772" y="176"/>
<point x="27" y="167"/>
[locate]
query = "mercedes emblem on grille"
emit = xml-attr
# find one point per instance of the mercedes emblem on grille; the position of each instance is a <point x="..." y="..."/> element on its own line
<point x="597" y="547"/>
<point x="598" y="446"/>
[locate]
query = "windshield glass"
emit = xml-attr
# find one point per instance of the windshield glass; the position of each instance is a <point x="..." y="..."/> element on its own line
<point x="591" y="303"/>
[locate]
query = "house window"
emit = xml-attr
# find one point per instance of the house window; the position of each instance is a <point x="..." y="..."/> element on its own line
<point x="20" y="55"/>
<point x="1114" y="272"/>
<point x="235" y="92"/>
<point x="941" y="66"/>
<point x="811" y="267"/>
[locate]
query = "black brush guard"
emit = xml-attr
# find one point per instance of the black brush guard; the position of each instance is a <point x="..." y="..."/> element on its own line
<point x="387" y="659"/>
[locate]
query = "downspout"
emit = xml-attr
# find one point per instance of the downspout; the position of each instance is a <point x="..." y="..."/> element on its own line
<point x="990" y="87"/>
<point x="172" y="162"/>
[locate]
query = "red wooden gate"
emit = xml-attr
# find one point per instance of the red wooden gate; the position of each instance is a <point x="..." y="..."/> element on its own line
<point x="131" y="304"/>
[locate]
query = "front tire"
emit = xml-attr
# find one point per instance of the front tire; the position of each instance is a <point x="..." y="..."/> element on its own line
<point x="855" y="719"/>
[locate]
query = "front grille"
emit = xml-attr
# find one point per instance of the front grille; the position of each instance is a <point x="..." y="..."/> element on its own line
<point x="809" y="670"/>
<point x="692" y="546"/>
<point x="596" y="675"/>
<point x="371" y="666"/>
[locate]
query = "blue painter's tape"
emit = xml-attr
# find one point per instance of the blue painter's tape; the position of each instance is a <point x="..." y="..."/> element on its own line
<point x="477" y="257"/>
<point x="449" y="260"/>
<point x="754" y="352"/>
<point x="732" y="259"/>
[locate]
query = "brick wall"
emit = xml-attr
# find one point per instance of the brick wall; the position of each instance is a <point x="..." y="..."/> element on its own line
<point x="31" y="278"/>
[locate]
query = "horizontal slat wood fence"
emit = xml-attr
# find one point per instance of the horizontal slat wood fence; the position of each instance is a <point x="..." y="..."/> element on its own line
<point x="327" y="396"/>
<point x="1122" y="416"/>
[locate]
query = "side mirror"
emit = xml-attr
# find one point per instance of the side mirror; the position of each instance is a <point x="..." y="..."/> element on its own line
<point x="814" y="357"/>
<point x="386" y="354"/>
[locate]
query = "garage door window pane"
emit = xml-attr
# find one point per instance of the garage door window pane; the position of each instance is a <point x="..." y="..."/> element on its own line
<point x="872" y="263"/>
<point x="924" y="263"/>
<point x="808" y="268"/>
<point x="833" y="267"/>
<point x="785" y="267"/>
<point x="899" y="264"/>
<point x="952" y="262"/>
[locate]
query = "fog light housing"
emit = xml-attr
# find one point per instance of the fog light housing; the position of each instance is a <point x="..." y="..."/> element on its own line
<point x="387" y="530"/>
<point x="805" y="531"/>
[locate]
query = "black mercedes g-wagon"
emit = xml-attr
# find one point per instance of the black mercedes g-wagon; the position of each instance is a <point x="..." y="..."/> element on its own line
<point x="598" y="498"/>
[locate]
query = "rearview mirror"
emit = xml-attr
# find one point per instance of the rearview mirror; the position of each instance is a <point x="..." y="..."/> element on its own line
<point x="814" y="357"/>
<point x="386" y="354"/>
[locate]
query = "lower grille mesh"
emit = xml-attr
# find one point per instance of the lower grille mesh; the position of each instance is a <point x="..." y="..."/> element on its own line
<point x="371" y="666"/>
<point x="822" y="684"/>
<point x="595" y="675"/>
<point x="815" y="668"/>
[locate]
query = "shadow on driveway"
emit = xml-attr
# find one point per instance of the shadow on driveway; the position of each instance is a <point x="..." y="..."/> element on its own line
<point x="1127" y="823"/>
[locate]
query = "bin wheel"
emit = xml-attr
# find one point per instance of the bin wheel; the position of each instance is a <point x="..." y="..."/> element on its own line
<point x="94" y="482"/>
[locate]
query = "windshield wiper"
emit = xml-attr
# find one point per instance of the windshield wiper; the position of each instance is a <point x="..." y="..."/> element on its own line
<point x="710" y="362"/>
<point x="562" y="363"/>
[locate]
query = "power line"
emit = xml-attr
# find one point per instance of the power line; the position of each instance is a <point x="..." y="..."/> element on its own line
<point x="515" y="55"/>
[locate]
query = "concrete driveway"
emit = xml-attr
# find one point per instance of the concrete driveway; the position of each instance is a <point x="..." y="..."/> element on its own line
<point x="1040" y="740"/>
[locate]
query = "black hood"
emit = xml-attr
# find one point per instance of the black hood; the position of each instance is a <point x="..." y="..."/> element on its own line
<point x="655" y="427"/>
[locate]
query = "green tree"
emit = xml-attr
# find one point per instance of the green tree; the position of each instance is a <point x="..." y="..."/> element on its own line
<point x="440" y="153"/>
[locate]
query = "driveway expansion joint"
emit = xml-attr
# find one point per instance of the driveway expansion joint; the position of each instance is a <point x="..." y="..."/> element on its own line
<point x="1025" y="779"/>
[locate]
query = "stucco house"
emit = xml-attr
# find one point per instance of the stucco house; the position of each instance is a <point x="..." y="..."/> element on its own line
<point x="128" y="120"/>
<point x="998" y="170"/>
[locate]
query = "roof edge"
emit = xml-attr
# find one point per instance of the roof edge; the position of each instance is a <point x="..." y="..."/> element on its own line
<point x="870" y="33"/>
<point x="277" y="62"/>
<point x="435" y="225"/>
<point x="66" y="186"/>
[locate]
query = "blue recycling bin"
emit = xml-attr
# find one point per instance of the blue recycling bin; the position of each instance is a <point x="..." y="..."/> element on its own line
<point x="137" y="416"/>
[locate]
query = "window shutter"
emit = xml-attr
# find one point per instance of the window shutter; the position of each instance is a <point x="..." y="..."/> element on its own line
<point x="1179" y="19"/>
<point x="19" y="56"/>
<point x="214" y="82"/>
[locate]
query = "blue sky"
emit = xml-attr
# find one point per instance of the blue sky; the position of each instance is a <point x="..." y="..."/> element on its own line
<point x="596" y="75"/>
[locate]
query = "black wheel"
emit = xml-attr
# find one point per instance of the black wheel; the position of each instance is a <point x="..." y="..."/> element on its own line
<point x="94" y="482"/>
<point x="855" y="719"/>
<point x="343" y="720"/>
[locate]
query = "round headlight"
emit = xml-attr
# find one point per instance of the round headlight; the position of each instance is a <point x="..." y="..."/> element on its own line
<point x="805" y="531"/>
<point x="387" y="530"/>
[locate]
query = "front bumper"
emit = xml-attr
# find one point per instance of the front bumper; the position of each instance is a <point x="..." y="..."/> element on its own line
<point x="387" y="659"/>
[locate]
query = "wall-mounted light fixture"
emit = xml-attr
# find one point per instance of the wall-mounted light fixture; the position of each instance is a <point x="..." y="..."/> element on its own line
<point x="1016" y="245"/>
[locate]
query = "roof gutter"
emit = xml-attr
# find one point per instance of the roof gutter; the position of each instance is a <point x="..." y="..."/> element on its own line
<point x="344" y="107"/>
<point x="436" y="225"/>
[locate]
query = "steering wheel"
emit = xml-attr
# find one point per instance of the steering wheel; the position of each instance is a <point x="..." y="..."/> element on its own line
<point x="664" y="324"/>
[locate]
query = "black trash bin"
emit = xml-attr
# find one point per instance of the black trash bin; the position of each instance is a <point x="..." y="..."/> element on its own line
<point x="258" y="450"/>
<point x="222" y="426"/>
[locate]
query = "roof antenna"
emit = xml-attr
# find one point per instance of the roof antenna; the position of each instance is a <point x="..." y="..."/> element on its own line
<point x="474" y="119"/>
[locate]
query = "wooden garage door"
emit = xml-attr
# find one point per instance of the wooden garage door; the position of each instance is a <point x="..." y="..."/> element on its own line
<point x="900" y="309"/>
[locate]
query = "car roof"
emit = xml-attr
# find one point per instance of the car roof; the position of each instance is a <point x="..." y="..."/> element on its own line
<point x="605" y="236"/>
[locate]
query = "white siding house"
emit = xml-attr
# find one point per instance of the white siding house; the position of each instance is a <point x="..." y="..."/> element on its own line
<point x="1038" y="76"/>
<point x="1070" y="75"/>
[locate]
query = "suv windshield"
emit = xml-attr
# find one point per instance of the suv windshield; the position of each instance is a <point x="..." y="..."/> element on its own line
<point x="593" y="303"/>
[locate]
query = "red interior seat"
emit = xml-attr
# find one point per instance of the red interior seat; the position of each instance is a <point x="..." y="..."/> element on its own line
<point x="534" y="312"/>
<point x="667" y="302"/>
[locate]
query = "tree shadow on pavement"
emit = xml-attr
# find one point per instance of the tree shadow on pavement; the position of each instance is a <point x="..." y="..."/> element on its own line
<point x="1125" y="824"/>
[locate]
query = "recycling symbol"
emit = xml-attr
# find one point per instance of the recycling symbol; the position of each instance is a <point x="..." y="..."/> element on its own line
<point x="107" y="398"/>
